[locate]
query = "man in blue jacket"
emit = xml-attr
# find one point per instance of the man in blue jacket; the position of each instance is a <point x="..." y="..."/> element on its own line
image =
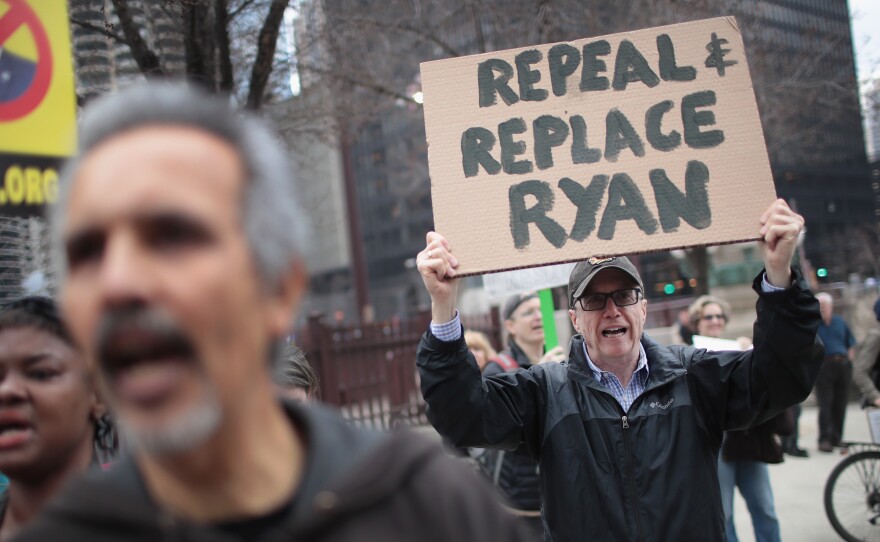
<point x="835" y="376"/>
<point x="627" y="431"/>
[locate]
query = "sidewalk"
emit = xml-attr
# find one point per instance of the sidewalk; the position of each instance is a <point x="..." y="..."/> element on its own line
<point x="798" y="484"/>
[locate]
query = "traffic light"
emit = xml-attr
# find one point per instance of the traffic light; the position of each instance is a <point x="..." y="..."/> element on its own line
<point x="821" y="272"/>
<point x="669" y="289"/>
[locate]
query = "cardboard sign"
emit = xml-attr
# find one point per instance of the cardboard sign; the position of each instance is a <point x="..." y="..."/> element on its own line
<point x="37" y="103"/>
<point x="628" y="143"/>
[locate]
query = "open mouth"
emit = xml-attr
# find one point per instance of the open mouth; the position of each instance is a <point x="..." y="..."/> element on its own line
<point x="14" y="433"/>
<point x="144" y="360"/>
<point x="132" y="348"/>
<point x="613" y="332"/>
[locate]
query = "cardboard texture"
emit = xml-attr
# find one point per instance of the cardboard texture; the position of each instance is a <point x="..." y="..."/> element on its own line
<point x="559" y="152"/>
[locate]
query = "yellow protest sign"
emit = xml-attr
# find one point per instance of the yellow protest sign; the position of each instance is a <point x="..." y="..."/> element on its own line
<point x="37" y="102"/>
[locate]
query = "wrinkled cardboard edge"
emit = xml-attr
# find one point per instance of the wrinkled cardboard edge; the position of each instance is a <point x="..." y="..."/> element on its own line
<point x="665" y="249"/>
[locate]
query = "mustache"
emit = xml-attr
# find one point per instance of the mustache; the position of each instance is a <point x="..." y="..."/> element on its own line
<point x="127" y="334"/>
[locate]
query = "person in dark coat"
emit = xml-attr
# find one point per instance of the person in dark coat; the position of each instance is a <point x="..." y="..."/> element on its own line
<point x="181" y="271"/>
<point x="626" y="431"/>
<point x="835" y="377"/>
<point x="744" y="454"/>
<point x="515" y="473"/>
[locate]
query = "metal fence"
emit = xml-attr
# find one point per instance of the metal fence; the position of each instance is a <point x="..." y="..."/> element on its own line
<point x="368" y="370"/>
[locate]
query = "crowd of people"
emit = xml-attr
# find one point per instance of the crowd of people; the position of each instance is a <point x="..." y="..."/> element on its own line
<point x="157" y="399"/>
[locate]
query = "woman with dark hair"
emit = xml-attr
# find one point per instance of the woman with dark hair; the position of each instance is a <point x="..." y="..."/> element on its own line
<point x="52" y="423"/>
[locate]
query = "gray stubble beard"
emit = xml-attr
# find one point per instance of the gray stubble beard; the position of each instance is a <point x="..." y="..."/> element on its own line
<point x="187" y="431"/>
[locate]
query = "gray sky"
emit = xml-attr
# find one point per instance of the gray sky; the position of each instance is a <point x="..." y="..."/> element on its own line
<point x="866" y="37"/>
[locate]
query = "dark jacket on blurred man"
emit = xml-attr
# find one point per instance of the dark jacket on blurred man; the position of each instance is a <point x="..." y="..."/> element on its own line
<point x="359" y="486"/>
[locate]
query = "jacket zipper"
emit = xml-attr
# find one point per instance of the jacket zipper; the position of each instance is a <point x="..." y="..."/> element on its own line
<point x="632" y="482"/>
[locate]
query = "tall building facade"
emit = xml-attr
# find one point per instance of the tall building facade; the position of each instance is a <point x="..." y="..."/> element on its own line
<point x="807" y="92"/>
<point x="872" y="120"/>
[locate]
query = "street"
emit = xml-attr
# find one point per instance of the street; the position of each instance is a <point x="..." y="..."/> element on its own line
<point x="798" y="484"/>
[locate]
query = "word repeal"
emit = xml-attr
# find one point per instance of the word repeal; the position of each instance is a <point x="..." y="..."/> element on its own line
<point x="549" y="131"/>
<point x="563" y="60"/>
<point x="625" y="202"/>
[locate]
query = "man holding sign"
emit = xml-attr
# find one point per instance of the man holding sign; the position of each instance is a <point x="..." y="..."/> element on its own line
<point x="627" y="432"/>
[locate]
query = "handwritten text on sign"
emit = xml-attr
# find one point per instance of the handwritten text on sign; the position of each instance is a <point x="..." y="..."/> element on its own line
<point x="627" y="143"/>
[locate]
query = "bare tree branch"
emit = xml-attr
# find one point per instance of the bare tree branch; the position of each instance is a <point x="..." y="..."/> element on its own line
<point x="237" y="11"/>
<point x="147" y="60"/>
<point x="354" y="81"/>
<point x="423" y="33"/>
<point x="99" y="29"/>
<point x="265" y="53"/>
<point x="221" y="35"/>
<point x="478" y="29"/>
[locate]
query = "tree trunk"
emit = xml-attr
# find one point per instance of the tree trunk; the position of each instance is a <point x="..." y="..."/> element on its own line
<point x="221" y="36"/>
<point x="147" y="60"/>
<point x="199" y="46"/>
<point x="265" y="54"/>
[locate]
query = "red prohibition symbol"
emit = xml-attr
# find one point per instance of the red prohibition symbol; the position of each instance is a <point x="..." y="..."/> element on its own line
<point x="20" y="14"/>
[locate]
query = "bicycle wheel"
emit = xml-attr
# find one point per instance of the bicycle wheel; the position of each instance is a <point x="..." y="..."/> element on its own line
<point x="852" y="497"/>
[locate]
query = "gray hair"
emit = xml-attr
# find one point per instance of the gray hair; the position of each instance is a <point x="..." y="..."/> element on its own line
<point x="272" y="221"/>
<point x="295" y="371"/>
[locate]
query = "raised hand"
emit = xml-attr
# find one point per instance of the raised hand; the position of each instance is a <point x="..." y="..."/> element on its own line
<point x="780" y="228"/>
<point x="436" y="264"/>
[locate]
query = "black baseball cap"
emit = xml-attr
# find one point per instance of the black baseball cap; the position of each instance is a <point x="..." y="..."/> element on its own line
<point x="584" y="272"/>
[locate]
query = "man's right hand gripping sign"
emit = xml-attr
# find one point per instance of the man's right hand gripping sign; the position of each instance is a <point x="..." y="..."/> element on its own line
<point x="625" y="423"/>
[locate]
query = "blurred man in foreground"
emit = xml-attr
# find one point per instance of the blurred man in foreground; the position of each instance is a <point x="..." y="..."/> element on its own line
<point x="180" y="241"/>
<point x="627" y="431"/>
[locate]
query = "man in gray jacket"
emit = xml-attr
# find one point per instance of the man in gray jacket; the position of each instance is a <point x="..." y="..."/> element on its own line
<point x="865" y="372"/>
<point x="627" y="432"/>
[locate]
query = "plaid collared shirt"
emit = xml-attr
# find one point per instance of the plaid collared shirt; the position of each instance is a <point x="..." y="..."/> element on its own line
<point x="448" y="332"/>
<point x="451" y="331"/>
<point x="636" y="386"/>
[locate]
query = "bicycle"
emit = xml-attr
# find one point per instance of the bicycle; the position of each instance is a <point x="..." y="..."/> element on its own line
<point x="852" y="494"/>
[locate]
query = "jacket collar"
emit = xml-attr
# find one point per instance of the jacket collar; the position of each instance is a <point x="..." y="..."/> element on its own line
<point x="663" y="365"/>
<point x="518" y="355"/>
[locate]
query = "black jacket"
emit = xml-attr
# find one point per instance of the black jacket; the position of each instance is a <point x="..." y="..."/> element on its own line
<point x="515" y="473"/>
<point x="759" y="443"/>
<point x="648" y="474"/>
<point x="358" y="485"/>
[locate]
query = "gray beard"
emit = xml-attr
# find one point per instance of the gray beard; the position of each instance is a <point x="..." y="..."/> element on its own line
<point x="184" y="433"/>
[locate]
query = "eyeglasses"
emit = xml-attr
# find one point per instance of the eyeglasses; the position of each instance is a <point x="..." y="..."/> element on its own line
<point x="527" y="314"/>
<point x="621" y="298"/>
<point x="710" y="317"/>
